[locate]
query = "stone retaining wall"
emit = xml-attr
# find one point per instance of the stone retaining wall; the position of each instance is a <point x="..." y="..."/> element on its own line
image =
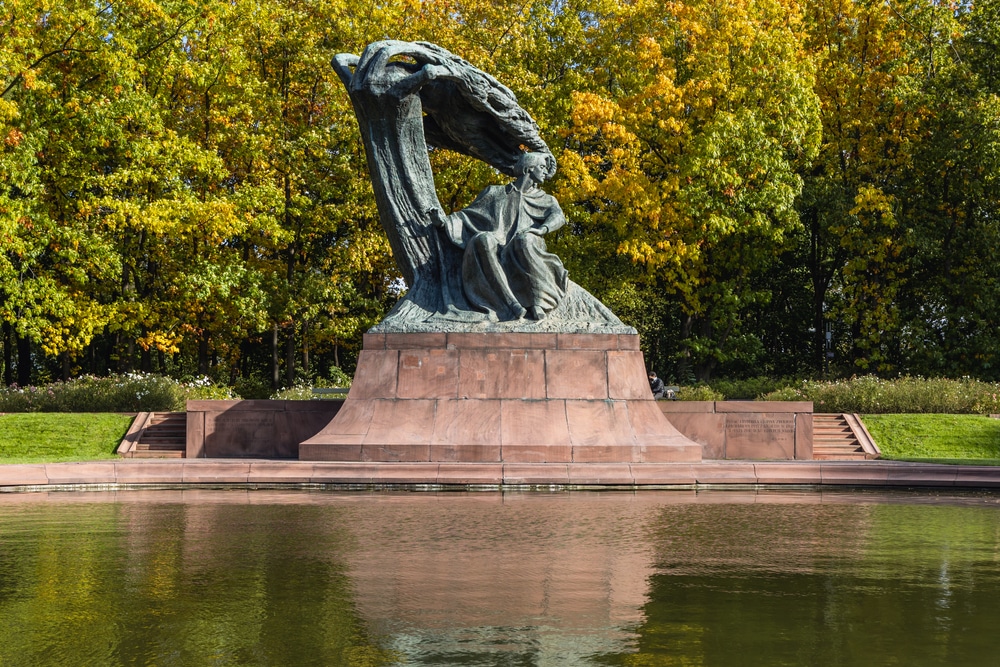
<point x="745" y="429"/>
<point x="724" y="429"/>
<point x="254" y="429"/>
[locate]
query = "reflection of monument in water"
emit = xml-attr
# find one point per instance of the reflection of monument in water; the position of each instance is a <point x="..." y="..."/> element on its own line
<point x="552" y="578"/>
<point x="493" y="354"/>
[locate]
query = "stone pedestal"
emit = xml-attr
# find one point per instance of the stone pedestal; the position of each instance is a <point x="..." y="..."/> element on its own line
<point x="512" y="397"/>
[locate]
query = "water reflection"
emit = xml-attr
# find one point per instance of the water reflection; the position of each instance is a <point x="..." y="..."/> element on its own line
<point x="285" y="577"/>
<point x="526" y="579"/>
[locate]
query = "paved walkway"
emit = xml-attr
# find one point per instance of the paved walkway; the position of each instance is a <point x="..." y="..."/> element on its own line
<point x="688" y="475"/>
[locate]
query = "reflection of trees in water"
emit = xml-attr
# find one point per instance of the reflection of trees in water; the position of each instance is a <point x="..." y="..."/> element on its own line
<point x="822" y="585"/>
<point x="224" y="582"/>
<point x="181" y="584"/>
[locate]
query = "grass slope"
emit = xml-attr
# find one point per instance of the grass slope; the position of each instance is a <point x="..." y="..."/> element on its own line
<point x="51" y="437"/>
<point x="936" y="438"/>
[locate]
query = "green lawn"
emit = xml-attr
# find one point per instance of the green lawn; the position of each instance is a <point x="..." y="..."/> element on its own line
<point x="48" y="437"/>
<point x="968" y="439"/>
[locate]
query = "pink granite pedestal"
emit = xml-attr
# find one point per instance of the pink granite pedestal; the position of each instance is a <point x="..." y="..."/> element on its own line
<point x="490" y="397"/>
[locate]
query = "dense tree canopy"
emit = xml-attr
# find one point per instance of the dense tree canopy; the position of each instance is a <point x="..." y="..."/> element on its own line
<point x="759" y="186"/>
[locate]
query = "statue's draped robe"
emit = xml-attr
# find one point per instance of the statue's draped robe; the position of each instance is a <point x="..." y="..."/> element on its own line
<point x="505" y="267"/>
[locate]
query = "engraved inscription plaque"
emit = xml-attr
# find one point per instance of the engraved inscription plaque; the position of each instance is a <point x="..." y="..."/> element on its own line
<point x="757" y="435"/>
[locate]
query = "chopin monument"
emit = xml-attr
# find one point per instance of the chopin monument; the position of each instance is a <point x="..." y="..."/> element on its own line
<point x="493" y="354"/>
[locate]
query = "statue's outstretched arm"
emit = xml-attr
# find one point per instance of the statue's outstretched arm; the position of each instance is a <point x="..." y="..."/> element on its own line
<point x="343" y="65"/>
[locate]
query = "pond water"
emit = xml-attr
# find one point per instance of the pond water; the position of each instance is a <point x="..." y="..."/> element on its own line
<point x="575" y="578"/>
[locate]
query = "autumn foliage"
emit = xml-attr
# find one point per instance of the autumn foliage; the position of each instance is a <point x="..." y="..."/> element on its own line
<point x="759" y="186"/>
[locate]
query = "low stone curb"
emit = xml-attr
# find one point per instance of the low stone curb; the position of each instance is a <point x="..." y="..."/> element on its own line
<point x="206" y="472"/>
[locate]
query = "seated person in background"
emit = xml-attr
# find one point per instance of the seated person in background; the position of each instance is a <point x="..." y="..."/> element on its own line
<point x="656" y="386"/>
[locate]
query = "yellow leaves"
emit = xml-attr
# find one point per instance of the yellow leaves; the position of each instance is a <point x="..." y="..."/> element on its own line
<point x="8" y="111"/>
<point x="592" y="111"/>
<point x="162" y="341"/>
<point x="368" y="250"/>
<point x="73" y="321"/>
<point x="682" y="142"/>
<point x="649" y="53"/>
<point x="872" y="202"/>
<point x="656" y="256"/>
<point x="575" y="179"/>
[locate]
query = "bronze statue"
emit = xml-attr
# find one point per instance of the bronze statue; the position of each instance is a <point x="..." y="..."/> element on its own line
<point x="486" y="267"/>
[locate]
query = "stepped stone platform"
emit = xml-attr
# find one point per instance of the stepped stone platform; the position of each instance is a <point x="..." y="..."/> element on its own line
<point x="500" y="397"/>
<point x="154" y="473"/>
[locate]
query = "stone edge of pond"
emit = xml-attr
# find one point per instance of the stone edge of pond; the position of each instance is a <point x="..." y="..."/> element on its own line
<point x="274" y="474"/>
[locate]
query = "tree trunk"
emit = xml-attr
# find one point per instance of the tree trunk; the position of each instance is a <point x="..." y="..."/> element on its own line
<point x="275" y="370"/>
<point x="8" y="354"/>
<point x="23" y="361"/>
<point x="305" y="346"/>
<point x="684" y="363"/>
<point x="290" y="356"/>
<point x="705" y="369"/>
<point x="819" y="285"/>
<point x="145" y="358"/>
<point x="203" y="353"/>
<point x="819" y="325"/>
<point x="113" y="357"/>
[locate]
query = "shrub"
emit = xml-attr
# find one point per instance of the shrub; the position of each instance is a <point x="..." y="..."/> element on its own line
<point x="336" y="378"/>
<point x="786" y="394"/>
<point x="750" y="388"/>
<point x="296" y="393"/>
<point x="701" y="392"/>
<point x="131" y="392"/>
<point x="872" y="395"/>
<point x="202" y="389"/>
<point x="304" y="391"/>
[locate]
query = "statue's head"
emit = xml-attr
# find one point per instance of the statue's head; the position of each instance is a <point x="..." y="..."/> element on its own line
<point x="530" y="160"/>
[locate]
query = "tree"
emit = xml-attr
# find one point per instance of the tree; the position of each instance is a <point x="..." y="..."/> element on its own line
<point x="951" y="197"/>
<point x="681" y="155"/>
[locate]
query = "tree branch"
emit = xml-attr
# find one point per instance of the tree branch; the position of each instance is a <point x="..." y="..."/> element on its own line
<point x="62" y="49"/>
<point x="166" y="39"/>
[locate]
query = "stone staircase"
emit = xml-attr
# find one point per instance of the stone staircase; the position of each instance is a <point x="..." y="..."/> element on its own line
<point x="841" y="437"/>
<point x="156" y="435"/>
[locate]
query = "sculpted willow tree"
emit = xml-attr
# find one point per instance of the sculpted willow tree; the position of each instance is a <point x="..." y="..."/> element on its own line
<point x="486" y="267"/>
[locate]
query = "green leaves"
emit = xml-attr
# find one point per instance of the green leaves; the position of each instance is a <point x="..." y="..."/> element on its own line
<point x="184" y="177"/>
